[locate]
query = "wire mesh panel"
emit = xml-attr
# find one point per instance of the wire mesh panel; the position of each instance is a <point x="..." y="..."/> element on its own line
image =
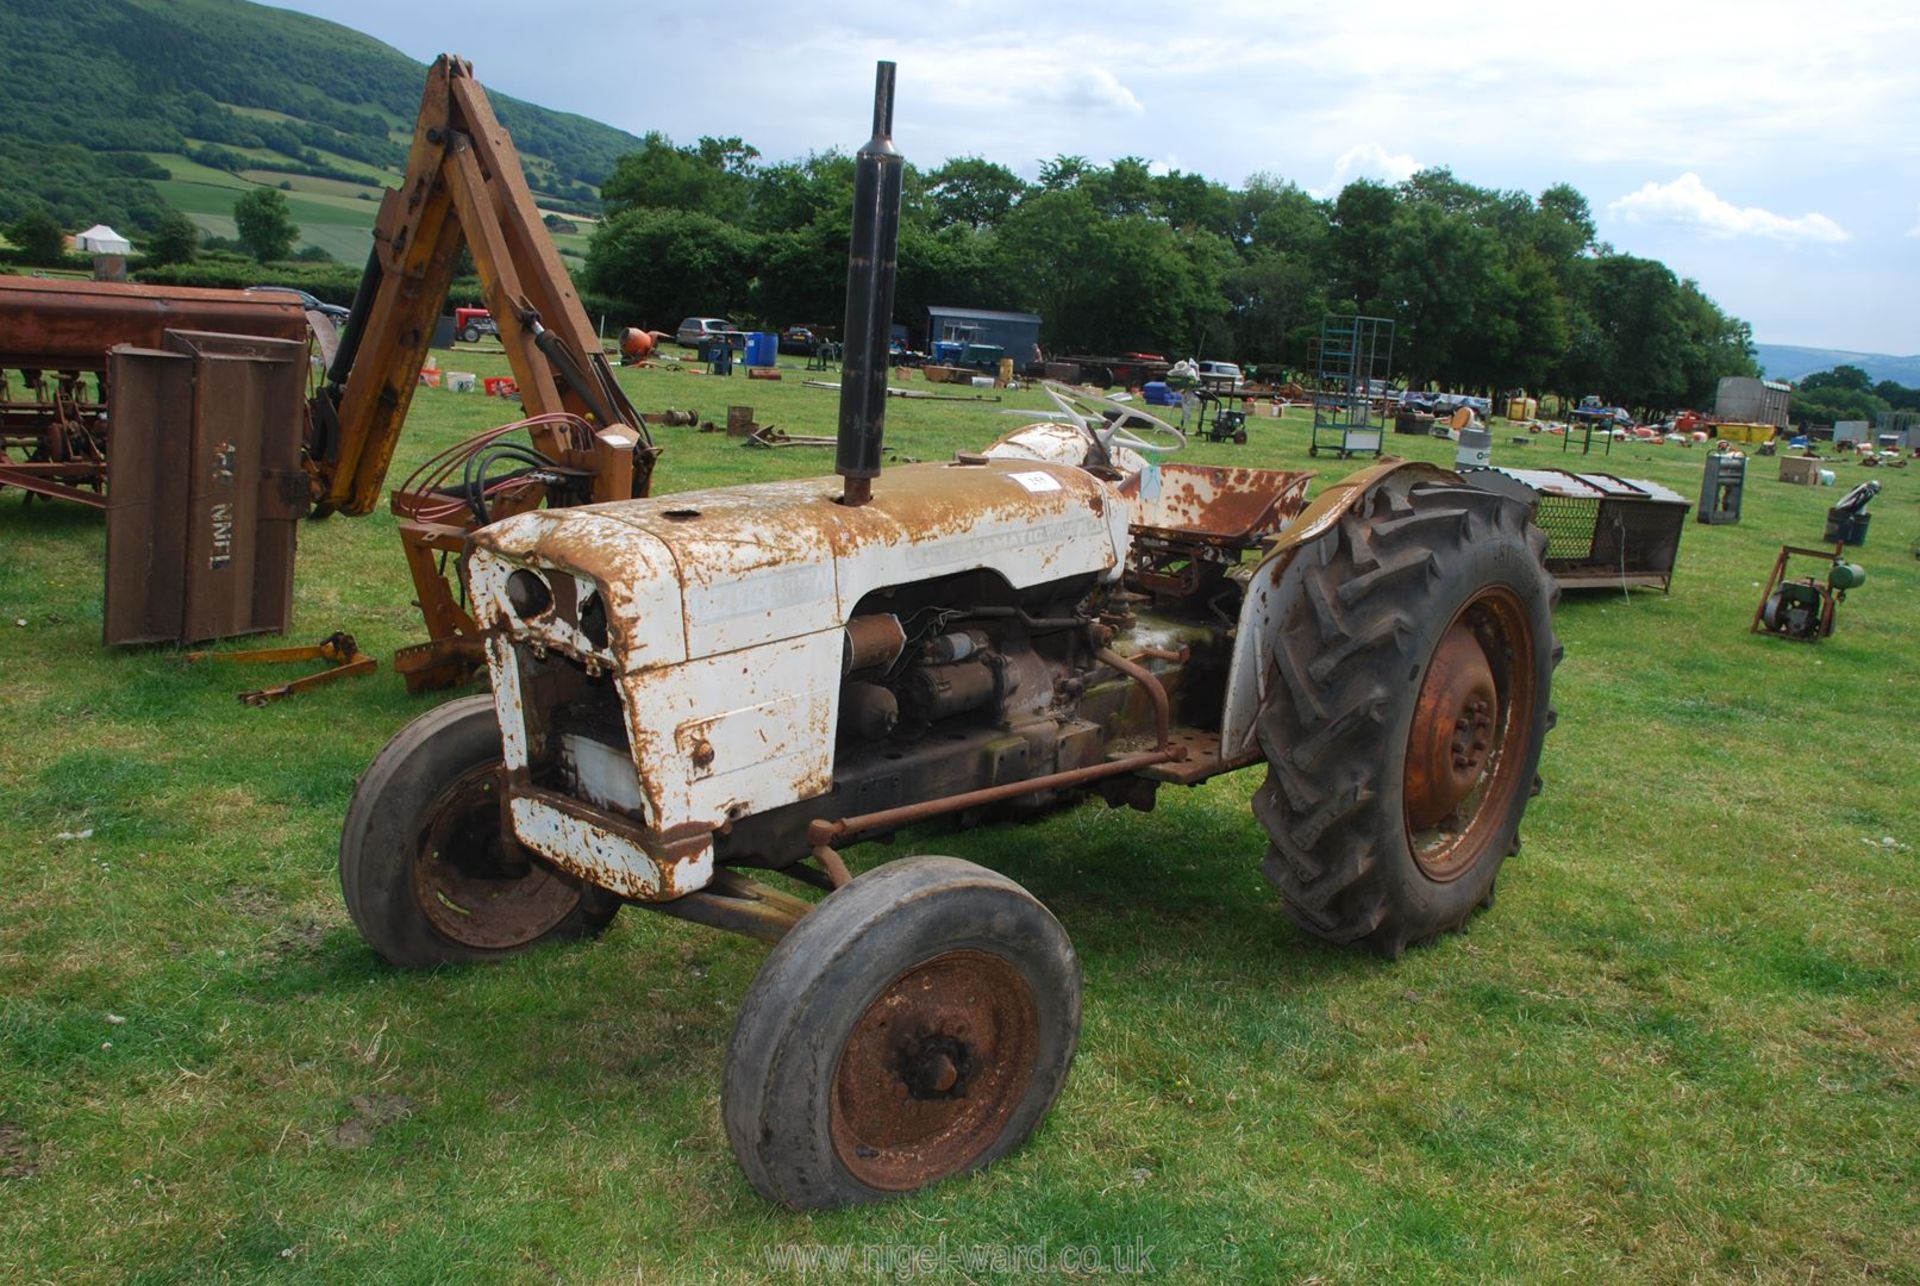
<point x="1569" y="524"/>
<point x="1352" y="362"/>
<point x="1601" y="530"/>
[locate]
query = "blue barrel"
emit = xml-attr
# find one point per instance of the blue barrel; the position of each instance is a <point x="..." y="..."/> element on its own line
<point x="763" y="348"/>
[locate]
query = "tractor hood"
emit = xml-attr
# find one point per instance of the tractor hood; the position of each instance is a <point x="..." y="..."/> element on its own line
<point x="704" y="572"/>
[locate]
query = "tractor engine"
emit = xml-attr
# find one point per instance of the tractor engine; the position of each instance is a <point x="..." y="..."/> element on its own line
<point x="953" y="686"/>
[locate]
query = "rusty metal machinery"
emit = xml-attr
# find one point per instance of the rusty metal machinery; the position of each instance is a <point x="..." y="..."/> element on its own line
<point x="695" y="693"/>
<point x="55" y="337"/>
<point x="464" y="188"/>
<point x="204" y="487"/>
<point x="1805" y="608"/>
<point x="338" y="650"/>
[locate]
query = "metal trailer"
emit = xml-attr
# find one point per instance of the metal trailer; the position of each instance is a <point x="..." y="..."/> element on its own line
<point x="1751" y="400"/>
<point x="1129" y="370"/>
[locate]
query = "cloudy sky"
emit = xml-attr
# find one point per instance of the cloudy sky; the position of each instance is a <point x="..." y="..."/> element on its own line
<point x="1769" y="150"/>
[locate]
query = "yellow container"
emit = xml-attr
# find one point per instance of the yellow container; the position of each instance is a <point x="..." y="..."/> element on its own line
<point x="1517" y="409"/>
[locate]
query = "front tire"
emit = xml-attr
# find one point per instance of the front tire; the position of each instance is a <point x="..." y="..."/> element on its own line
<point x="428" y="876"/>
<point x="917" y="1024"/>
<point x="1403" y="732"/>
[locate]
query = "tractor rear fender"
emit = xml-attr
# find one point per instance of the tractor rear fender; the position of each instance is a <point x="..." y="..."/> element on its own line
<point x="1252" y="670"/>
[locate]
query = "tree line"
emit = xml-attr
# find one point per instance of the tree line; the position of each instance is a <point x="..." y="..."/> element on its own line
<point x="1849" y="393"/>
<point x="1489" y="289"/>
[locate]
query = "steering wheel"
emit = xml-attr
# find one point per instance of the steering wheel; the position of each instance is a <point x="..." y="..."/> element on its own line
<point x="1084" y="409"/>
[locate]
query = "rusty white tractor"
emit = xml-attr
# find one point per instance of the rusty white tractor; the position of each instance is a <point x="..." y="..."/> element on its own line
<point x="693" y="692"/>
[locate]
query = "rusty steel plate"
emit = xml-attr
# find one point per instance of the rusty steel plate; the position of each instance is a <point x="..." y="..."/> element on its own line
<point x="204" y="488"/>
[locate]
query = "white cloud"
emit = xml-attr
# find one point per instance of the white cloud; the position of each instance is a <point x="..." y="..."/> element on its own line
<point x="1689" y="202"/>
<point x="1513" y="94"/>
<point x="1369" y="161"/>
<point x="1090" y="89"/>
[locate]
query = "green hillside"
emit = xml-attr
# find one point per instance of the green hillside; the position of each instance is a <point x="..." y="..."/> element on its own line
<point x="115" y="109"/>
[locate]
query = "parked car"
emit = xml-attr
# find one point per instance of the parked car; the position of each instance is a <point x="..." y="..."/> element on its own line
<point x="800" y="340"/>
<point x="333" y="312"/>
<point x="1441" y="404"/>
<point x="1220" y="375"/>
<point x="693" y="330"/>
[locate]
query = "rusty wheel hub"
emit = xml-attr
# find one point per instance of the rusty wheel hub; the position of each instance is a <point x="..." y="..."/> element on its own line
<point x="933" y="1070"/>
<point x="1478" y="691"/>
<point x="1453" y="727"/>
<point x="477" y="887"/>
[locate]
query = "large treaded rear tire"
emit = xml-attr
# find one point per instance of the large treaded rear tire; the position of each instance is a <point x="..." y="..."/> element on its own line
<point x="1368" y="605"/>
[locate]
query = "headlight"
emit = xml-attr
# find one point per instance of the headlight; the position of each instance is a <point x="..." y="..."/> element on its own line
<point x="528" y="594"/>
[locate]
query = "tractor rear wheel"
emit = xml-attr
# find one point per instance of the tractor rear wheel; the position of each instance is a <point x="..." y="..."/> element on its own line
<point x="917" y="1024"/>
<point x="1403" y="730"/>
<point x="428" y="874"/>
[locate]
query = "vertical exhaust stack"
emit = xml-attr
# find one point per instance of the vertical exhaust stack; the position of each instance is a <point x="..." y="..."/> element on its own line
<point x="873" y="260"/>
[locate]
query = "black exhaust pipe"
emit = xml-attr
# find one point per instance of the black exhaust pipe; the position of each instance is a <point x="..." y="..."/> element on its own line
<point x="873" y="261"/>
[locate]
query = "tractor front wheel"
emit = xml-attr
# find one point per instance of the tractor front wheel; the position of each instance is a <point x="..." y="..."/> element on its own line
<point x="917" y="1024"/>
<point x="430" y="876"/>
<point x="1403" y="731"/>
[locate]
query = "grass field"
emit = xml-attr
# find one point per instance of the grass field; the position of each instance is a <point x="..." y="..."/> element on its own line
<point x="338" y="223"/>
<point x="1684" y="1044"/>
<point x="334" y="214"/>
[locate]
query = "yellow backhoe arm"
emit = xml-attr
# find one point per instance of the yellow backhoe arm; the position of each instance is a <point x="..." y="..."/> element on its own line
<point x="464" y="188"/>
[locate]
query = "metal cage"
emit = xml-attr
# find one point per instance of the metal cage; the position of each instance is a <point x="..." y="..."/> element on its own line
<point x="1601" y="530"/>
